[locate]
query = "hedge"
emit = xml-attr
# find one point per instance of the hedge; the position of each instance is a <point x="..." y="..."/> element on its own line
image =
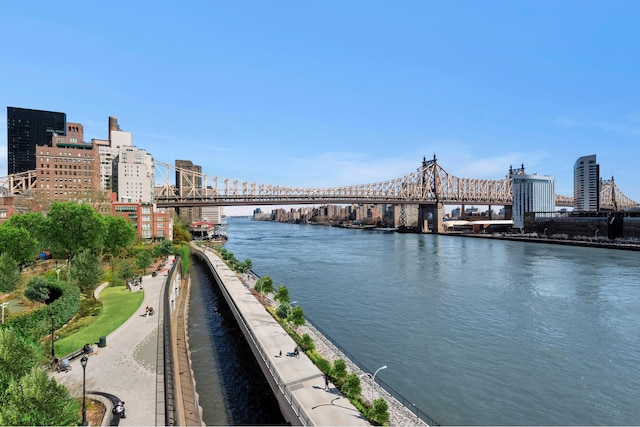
<point x="64" y="303"/>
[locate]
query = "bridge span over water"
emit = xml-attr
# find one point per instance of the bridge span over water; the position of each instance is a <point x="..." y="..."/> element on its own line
<point x="428" y="184"/>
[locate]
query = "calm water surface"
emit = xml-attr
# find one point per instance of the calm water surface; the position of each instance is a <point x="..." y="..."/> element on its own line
<point x="474" y="331"/>
<point x="232" y="388"/>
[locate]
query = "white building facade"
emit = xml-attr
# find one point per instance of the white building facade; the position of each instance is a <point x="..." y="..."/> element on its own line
<point x="586" y="184"/>
<point x="109" y="150"/>
<point x="134" y="175"/>
<point x="532" y="193"/>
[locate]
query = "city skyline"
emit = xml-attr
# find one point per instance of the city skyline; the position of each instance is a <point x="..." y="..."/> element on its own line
<point x="332" y="94"/>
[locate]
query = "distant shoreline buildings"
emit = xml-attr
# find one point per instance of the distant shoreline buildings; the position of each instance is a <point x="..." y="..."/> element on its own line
<point x="115" y="176"/>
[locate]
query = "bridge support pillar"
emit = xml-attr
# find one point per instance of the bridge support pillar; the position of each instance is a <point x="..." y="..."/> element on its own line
<point x="431" y="214"/>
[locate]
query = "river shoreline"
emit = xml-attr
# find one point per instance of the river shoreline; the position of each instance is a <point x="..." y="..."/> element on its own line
<point x="590" y="243"/>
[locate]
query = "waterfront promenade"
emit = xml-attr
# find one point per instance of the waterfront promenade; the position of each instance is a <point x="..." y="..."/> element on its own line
<point x="130" y="367"/>
<point x="297" y="379"/>
<point x="399" y="415"/>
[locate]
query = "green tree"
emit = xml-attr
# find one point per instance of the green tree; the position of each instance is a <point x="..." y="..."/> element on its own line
<point x="297" y="316"/>
<point x="86" y="270"/>
<point x="379" y="411"/>
<point x="282" y="294"/>
<point x="339" y="371"/>
<point x="17" y="242"/>
<point x="163" y="249"/>
<point x="72" y="228"/>
<point x="283" y="310"/>
<point x="37" y="400"/>
<point x="17" y="356"/>
<point x="244" y="266"/>
<point x="264" y="285"/>
<point x="143" y="259"/>
<point x="118" y="234"/>
<point x="307" y="342"/>
<point x="37" y="290"/>
<point x="123" y="271"/>
<point x="351" y="387"/>
<point x="34" y="223"/>
<point x="9" y="273"/>
<point x="181" y="232"/>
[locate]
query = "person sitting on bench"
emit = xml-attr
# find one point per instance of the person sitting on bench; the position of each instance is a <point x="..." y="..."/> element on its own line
<point x="64" y="366"/>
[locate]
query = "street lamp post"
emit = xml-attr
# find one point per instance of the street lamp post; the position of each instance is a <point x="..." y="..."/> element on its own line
<point x="596" y="233"/>
<point x="3" y="305"/>
<point x="83" y="362"/>
<point x="373" y="380"/>
<point x="53" y="331"/>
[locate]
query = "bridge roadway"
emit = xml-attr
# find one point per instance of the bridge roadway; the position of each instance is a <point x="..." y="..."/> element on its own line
<point x="296" y="382"/>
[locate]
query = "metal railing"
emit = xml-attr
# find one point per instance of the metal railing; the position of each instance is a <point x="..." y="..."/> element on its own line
<point x="282" y="387"/>
<point x="170" y="405"/>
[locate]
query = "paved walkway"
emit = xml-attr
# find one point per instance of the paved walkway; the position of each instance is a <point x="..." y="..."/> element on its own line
<point x="297" y="377"/>
<point x="126" y="368"/>
<point x="399" y="415"/>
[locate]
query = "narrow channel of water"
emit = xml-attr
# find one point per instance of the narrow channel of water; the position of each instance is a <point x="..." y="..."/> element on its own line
<point x="229" y="381"/>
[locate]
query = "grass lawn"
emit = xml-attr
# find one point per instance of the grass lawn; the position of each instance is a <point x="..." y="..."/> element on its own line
<point x="118" y="305"/>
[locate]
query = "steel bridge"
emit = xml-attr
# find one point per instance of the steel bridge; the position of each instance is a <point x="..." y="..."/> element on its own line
<point x="430" y="184"/>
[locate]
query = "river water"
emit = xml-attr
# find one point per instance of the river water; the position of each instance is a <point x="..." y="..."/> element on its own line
<point x="473" y="331"/>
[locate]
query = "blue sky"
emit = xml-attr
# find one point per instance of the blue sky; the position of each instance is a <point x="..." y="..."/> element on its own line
<point x="318" y="94"/>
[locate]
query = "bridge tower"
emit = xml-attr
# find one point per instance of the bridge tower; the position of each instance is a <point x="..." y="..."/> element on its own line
<point x="431" y="212"/>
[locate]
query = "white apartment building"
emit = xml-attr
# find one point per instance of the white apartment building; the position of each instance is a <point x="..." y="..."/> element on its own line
<point x="108" y="150"/>
<point x="133" y="175"/>
<point x="532" y="193"/>
<point x="212" y="214"/>
<point x="586" y="184"/>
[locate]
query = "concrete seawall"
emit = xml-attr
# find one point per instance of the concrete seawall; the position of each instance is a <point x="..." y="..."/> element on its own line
<point x="296" y="382"/>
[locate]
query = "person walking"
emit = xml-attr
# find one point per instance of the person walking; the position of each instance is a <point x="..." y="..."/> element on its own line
<point x="326" y="382"/>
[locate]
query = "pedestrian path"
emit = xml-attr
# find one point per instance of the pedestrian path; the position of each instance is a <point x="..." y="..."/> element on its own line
<point x="127" y="367"/>
<point x="297" y="382"/>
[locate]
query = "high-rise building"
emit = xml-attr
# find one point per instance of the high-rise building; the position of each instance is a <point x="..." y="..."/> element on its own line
<point x="68" y="169"/>
<point x="532" y="194"/>
<point x="109" y="150"/>
<point x="188" y="180"/>
<point x="134" y="175"/>
<point x="27" y="129"/>
<point x="212" y="214"/>
<point x="586" y="184"/>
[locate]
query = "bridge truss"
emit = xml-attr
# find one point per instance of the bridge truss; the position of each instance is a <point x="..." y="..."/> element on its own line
<point x="430" y="183"/>
<point x="18" y="184"/>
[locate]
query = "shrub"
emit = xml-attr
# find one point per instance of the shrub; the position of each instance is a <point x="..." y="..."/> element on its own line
<point x="307" y="343"/>
<point x="339" y="371"/>
<point x="379" y="411"/>
<point x="323" y="364"/>
<point x="64" y="304"/>
<point x="351" y="387"/>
